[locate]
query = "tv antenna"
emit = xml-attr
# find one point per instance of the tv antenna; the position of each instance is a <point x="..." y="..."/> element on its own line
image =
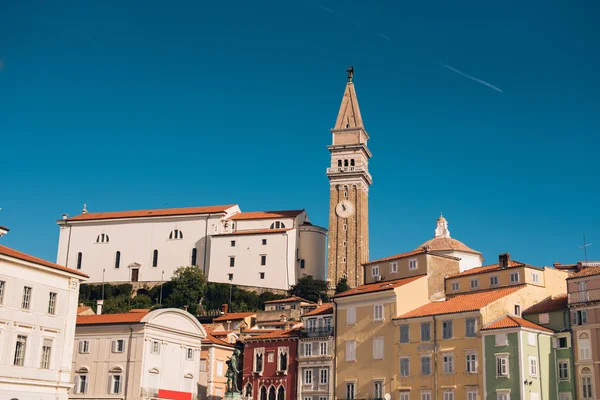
<point x="584" y="247"/>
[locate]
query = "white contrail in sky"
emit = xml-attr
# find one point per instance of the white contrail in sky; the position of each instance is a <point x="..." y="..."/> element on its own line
<point x="381" y="35"/>
<point x="471" y="77"/>
<point x="329" y="10"/>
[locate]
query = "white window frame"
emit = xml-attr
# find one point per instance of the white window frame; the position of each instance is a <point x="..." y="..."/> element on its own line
<point x="113" y="381"/>
<point x="378" y="312"/>
<point x="467" y="320"/>
<point x="533" y="366"/>
<point x="155" y="347"/>
<point x="474" y="283"/>
<point x="52" y="297"/>
<point x="494" y="281"/>
<point x="84" y="346"/>
<point x="46" y="354"/>
<point x="189" y="354"/>
<point x="378" y="388"/>
<point x="503" y="395"/>
<point x="78" y="383"/>
<point x="378" y="348"/>
<point x="413" y="264"/>
<point x="351" y="350"/>
<point x="513" y="275"/>
<point x="448" y="363"/>
<point x="449" y="395"/>
<point x="584" y="352"/>
<point x="308" y="349"/>
<point x="118" y="345"/>
<point x="350" y="390"/>
<point x="323" y="348"/>
<point x="535" y="277"/>
<point x="323" y="376"/>
<point x="351" y="316"/>
<point x="375" y="271"/>
<point x="394" y="267"/>
<point x="2" y="286"/>
<point x="404" y="396"/>
<point x="455" y="286"/>
<point x="407" y="360"/>
<point x="502" y="366"/>
<point x="26" y="299"/>
<point x="471" y="362"/>
<point x="472" y="395"/>
<point x="308" y="378"/>
<point x="425" y="395"/>
<point x="564" y="362"/>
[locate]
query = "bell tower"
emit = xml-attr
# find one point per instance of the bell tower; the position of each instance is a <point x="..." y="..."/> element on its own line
<point x="349" y="182"/>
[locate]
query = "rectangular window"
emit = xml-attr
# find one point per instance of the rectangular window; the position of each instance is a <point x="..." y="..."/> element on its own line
<point x="232" y="261"/>
<point x="189" y="354"/>
<point x="350" y="391"/>
<point x="563" y="370"/>
<point x="447" y="329"/>
<point x="448" y="395"/>
<point x="425" y="331"/>
<point x="378" y="389"/>
<point x="155" y="347"/>
<point x="2" y="285"/>
<point x="404" y="396"/>
<point x="531" y="339"/>
<point x="312" y="325"/>
<point x="472" y="395"/>
<point x="308" y="349"/>
<point x="584" y="348"/>
<point x="404" y="333"/>
<point x="378" y="348"/>
<point x="586" y="387"/>
<point x="52" y="303"/>
<point x="233" y="243"/>
<point x="501" y="339"/>
<point x="533" y="367"/>
<point x="118" y="346"/>
<point x="514" y="277"/>
<point x="448" y="363"/>
<point x="261" y="275"/>
<point x="470" y="327"/>
<point x="230" y="277"/>
<point x="219" y="368"/>
<point x="323" y="376"/>
<point x="503" y="396"/>
<point x="413" y="264"/>
<point x="351" y="350"/>
<point x="375" y="271"/>
<point x="20" y="350"/>
<point x="455" y="286"/>
<point x="426" y="395"/>
<point x="264" y="242"/>
<point x="393" y="267"/>
<point x="84" y="346"/>
<point x="493" y="280"/>
<point x="115" y="384"/>
<point x="544" y="318"/>
<point x="378" y="312"/>
<point x="471" y="363"/>
<point x="81" y="384"/>
<point x="26" y="298"/>
<point x="517" y="310"/>
<point x="502" y="366"/>
<point x="46" y="353"/>
<point x="323" y="348"/>
<point x="563" y="343"/>
<point x="351" y="315"/>
<point x="404" y="366"/>
<point x="535" y="277"/>
<point x="425" y="365"/>
<point x="263" y="259"/>
<point x="474" y="283"/>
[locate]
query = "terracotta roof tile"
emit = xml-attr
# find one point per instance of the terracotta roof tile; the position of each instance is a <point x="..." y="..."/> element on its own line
<point x="150" y="213"/>
<point x="461" y="303"/>
<point x="443" y="243"/>
<point x="490" y="268"/>
<point x="211" y="339"/>
<point x="233" y="316"/>
<point x="125" y="318"/>
<point x="7" y="251"/>
<point x="278" y="334"/>
<point x="82" y="309"/>
<point x="550" y="304"/>
<point x="266" y="214"/>
<point x="324" y="309"/>
<point x="378" y="286"/>
<point x="511" y="321"/>
<point x="256" y="232"/>
<point x="289" y="300"/>
<point x="211" y="327"/>
<point x="586" y="271"/>
<point x="401" y="255"/>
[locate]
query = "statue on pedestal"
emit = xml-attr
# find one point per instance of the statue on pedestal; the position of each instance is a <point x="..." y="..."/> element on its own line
<point x="232" y="374"/>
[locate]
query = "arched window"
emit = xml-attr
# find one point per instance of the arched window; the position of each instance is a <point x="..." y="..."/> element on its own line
<point x="79" y="259"/>
<point x="283" y="360"/>
<point x="176" y="234"/>
<point x="278" y="225"/>
<point x="117" y="259"/>
<point x="248" y="389"/>
<point x="194" y="256"/>
<point x="155" y="258"/>
<point x="339" y="163"/>
<point x="584" y="347"/>
<point x="345" y="163"/>
<point x="352" y="162"/>
<point x="272" y="393"/>
<point x="281" y="393"/>
<point x="102" y="238"/>
<point x="263" y="393"/>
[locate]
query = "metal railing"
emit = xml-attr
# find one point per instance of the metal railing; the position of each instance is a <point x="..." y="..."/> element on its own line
<point x="318" y="332"/>
<point x="345" y="169"/>
<point x="584" y="296"/>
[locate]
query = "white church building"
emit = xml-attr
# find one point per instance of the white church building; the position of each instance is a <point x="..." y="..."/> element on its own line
<point x="271" y="249"/>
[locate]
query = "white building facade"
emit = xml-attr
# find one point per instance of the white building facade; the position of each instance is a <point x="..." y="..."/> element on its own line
<point x="269" y="249"/>
<point x="137" y="355"/>
<point x="38" y="308"/>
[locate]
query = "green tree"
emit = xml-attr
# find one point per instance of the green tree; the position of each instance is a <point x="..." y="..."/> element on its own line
<point x="342" y="285"/>
<point x="310" y="289"/>
<point x="188" y="287"/>
<point x="117" y="304"/>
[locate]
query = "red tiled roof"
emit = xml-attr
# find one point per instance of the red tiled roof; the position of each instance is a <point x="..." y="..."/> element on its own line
<point x="234" y="316"/>
<point x="489" y="268"/>
<point x="443" y="243"/>
<point x="221" y="333"/>
<point x="125" y="318"/>
<point x="82" y="309"/>
<point x="278" y="334"/>
<point x="261" y="331"/>
<point x="211" y="339"/>
<point x="461" y="302"/>
<point x="256" y="232"/>
<point x="267" y="214"/>
<point x="289" y="300"/>
<point x="150" y="213"/>
<point x="586" y="271"/>
<point x="550" y="304"/>
<point x="378" y="286"/>
<point x="7" y="251"/>
<point x="510" y="321"/>
<point x="211" y="327"/>
<point x="326" y="308"/>
<point x="401" y="255"/>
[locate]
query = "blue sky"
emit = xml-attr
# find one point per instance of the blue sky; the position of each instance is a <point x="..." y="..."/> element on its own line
<point x="142" y="104"/>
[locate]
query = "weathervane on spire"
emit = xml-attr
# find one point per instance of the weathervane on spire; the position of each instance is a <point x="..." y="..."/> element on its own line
<point x="350" y="72"/>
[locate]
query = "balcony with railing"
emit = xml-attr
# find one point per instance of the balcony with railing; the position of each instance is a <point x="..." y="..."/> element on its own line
<point x="319" y="332"/>
<point x="584" y="296"/>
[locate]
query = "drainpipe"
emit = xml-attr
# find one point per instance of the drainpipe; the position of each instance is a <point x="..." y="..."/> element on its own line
<point x="435" y="393"/>
<point x="335" y="332"/>
<point x="128" y="361"/>
<point x="556" y="372"/>
<point x="539" y="364"/>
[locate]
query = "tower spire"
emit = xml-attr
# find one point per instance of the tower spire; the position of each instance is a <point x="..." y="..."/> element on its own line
<point x="349" y="116"/>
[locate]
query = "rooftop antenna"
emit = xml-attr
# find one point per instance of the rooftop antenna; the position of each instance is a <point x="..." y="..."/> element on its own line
<point x="584" y="247"/>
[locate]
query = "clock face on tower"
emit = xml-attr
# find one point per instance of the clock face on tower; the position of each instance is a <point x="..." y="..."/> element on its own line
<point x="344" y="209"/>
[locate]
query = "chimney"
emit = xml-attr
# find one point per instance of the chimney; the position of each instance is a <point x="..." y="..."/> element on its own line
<point x="556" y="264"/>
<point x="3" y="230"/>
<point x="65" y="216"/>
<point x="319" y="303"/>
<point x="185" y="308"/>
<point x="99" y="305"/>
<point x="504" y="260"/>
<point x="224" y="309"/>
